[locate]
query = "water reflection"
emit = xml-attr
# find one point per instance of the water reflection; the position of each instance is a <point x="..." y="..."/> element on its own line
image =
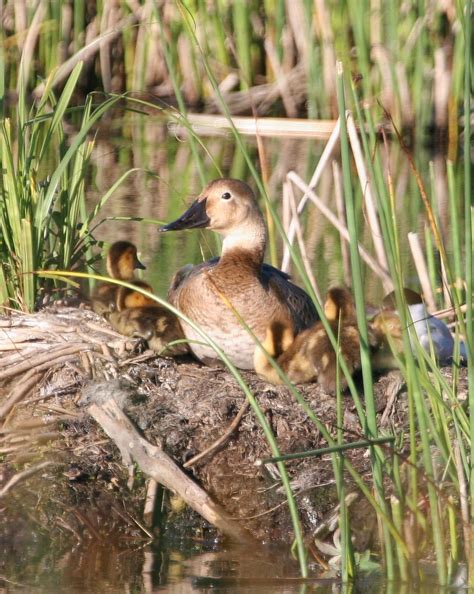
<point x="101" y="568"/>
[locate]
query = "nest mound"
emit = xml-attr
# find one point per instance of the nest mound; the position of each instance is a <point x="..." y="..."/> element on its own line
<point x="73" y="474"/>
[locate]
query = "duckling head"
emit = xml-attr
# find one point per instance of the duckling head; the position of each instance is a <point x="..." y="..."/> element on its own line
<point x="339" y="305"/>
<point x="229" y="207"/>
<point x="411" y="297"/>
<point x="122" y="260"/>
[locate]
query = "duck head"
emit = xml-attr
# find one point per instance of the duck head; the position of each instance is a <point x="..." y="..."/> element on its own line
<point x="339" y="304"/>
<point x="411" y="297"/>
<point x="122" y="260"/>
<point x="227" y="206"/>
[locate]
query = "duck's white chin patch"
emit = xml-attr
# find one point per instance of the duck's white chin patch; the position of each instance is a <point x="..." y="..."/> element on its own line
<point x="244" y="238"/>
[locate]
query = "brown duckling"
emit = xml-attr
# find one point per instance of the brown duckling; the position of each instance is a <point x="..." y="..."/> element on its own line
<point x="311" y="356"/>
<point x="141" y="316"/>
<point x="431" y="333"/>
<point x="128" y="298"/>
<point x="122" y="261"/>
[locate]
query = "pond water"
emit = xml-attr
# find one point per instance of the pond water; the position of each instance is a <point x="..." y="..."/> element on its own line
<point x="103" y="568"/>
<point x="100" y="568"/>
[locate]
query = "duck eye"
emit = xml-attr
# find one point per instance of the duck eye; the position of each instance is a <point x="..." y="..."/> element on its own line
<point x="226" y="196"/>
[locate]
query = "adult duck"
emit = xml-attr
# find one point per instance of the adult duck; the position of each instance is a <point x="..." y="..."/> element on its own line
<point x="235" y="293"/>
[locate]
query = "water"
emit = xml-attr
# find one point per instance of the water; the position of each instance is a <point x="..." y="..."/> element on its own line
<point x="98" y="567"/>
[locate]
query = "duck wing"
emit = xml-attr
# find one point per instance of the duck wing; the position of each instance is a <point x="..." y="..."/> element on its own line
<point x="299" y="303"/>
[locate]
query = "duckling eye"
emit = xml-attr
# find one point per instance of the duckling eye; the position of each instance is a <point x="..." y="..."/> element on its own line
<point x="226" y="196"/>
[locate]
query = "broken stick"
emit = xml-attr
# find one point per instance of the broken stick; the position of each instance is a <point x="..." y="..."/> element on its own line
<point x="154" y="462"/>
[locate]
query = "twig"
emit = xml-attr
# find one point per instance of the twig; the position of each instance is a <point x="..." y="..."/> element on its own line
<point x="150" y="501"/>
<point x="30" y="380"/>
<point x="46" y="358"/>
<point x="21" y="476"/>
<point x="288" y="190"/>
<point x="271" y="127"/>
<point x="217" y="444"/>
<point x="366" y="187"/>
<point x="422" y="270"/>
<point x="323" y="161"/>
<point x="373" y="264"/>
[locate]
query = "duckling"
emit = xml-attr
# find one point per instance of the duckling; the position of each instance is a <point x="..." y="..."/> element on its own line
<point x="225" y="295"/>
<point x="311" y="356"/>
<point x="122" y="261"/>
<point x="128" y="298"/>
<point x="433" y="334"/>
<point x="140" y="316"/>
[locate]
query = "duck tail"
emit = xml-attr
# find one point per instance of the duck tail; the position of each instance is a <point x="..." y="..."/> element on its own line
<point x="278" y="338"/>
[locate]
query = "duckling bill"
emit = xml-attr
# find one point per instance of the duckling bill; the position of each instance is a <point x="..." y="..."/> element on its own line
<point x="224" y="296"/>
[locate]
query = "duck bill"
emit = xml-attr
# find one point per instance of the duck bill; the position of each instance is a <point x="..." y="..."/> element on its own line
<point x="138" y="265"/>
<point x="194" y="218"/>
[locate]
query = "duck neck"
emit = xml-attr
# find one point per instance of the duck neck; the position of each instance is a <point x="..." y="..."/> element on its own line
<point x="247" y="244"/>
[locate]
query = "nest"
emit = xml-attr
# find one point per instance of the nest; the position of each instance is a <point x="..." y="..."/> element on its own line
<point x="53" y="364"/>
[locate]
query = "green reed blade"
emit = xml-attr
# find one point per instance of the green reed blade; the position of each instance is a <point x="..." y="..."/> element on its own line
<point x="241" y="22"/>
<point x="60" y="109"/>
<point x="468" y="246"/>
<point x="370" y="428"/>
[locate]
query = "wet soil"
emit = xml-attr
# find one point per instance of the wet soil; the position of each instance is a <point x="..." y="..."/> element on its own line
<point x="79" y="488"/>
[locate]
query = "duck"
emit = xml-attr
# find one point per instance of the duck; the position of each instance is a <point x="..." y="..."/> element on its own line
<point x="144" y="318"/>
<point x="236" y="296"/>
<point x="122" y="261"/>
<point x="310" y="356"/>
<point x="432" y="333"/>
<point x="140" y="316"/>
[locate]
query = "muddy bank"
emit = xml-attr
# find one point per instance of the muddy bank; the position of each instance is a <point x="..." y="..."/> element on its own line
<point x="79" y="487"/>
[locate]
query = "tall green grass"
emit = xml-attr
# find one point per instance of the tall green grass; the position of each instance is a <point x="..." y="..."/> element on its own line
<point x="400" y="481"/>
<point x="391" y="45"/>
<point x="42" y="189"/>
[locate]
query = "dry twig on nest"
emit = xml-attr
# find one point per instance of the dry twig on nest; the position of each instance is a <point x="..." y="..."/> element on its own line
<point x="154" y="462"/>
